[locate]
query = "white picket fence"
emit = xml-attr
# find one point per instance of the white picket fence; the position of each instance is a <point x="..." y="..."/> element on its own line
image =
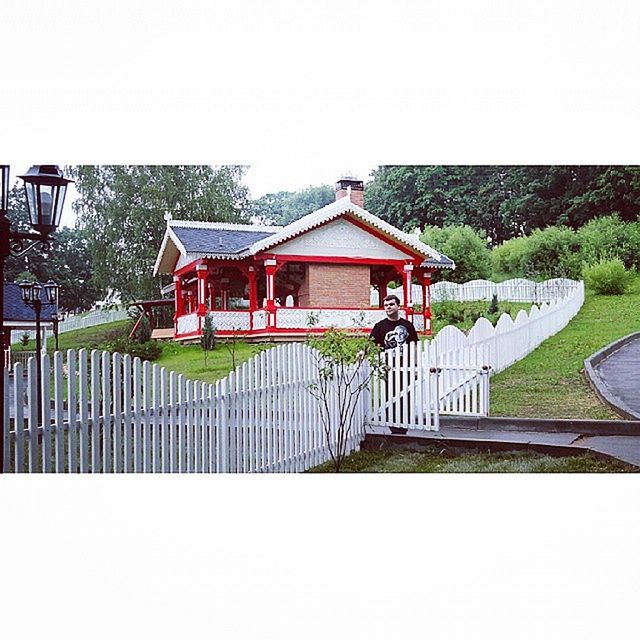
<point x="515" y="290"/>
<point x="511" y="340"/>
<point x="110" y="413"/>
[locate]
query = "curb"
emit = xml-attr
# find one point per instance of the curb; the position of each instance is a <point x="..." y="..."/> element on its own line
<point x="546" y="425"/>
<point x="598" y="385"/>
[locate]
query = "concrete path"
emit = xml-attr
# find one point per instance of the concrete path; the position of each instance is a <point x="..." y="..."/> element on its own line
<point x="609" y="438"/>
<point x="620" y="372"/>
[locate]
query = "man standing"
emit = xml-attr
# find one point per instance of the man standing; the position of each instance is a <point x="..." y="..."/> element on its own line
<point x="390" y="333"/>
<point x="393" y="331"/>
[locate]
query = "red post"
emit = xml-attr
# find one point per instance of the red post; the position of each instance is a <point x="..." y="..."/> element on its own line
<point x="253" y="294"/>
<point x="426" y="297"/>
<point x="408" y="303"/>
<point x="201" y="271"/>
<point x="270" y="267"/>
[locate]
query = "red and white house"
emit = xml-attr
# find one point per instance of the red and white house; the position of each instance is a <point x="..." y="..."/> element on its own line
<point x="267" y="282"/>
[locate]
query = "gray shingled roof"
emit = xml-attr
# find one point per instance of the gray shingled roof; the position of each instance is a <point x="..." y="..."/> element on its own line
<point x="442" y="263"/>
<point x="216" y="241"/>
<point x="15" y="309"/>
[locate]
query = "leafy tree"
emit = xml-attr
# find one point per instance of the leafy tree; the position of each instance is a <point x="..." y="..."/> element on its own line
<point x="502" y="201"/>
<point x="345" y="365"/>
<point x="122" y="209"/>
<point x="67" y="261"/>
<point x="465" y="247"/>
<point x="284" y="207"/>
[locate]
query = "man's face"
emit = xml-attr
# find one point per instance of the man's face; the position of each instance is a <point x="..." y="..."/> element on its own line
<point x="391" y="308"/>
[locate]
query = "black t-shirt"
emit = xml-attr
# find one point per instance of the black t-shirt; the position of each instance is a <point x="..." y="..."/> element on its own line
<point x="390" y="334"/>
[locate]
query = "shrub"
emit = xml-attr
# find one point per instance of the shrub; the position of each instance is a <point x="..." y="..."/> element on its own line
<point x="608" y="238"/>
<point x="509" y="260"/>
<point x="608" y="277"/>
<point x="150" y="350"/>
<point x="553" y="252"/>
<point x="465" y="247"/>
<point x="450" y="312"/>
<point x="24" y="339"/>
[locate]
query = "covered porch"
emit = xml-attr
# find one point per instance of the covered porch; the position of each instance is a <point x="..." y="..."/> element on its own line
<point x="284" y="297"/>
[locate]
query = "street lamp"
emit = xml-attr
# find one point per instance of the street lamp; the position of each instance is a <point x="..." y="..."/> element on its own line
<point x="45" y="190"/>
<point x="32" y="297"/>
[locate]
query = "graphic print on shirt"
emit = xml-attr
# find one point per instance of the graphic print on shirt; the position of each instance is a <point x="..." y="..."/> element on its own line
<point x="396" y="338"/>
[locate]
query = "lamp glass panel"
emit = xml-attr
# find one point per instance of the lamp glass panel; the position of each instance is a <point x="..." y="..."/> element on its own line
<point x="46" y="205"/>
<point x="32" y="200"/>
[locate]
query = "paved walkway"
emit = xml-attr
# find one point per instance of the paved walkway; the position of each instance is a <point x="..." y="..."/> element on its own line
<point x="620" y="372"/>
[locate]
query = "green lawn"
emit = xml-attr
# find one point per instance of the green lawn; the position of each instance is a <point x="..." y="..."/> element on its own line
<point x="89" y="338"/>
<point x="432" y="461"/>
<point x="548" y="383"/>
<point x="189" y="359"/>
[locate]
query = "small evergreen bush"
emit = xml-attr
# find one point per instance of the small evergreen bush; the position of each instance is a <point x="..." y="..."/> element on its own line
<point x="608" y="277"/>
<point x="493" y="305"/>
<point x="208" y="337"/>
<point x="24" y="340"/>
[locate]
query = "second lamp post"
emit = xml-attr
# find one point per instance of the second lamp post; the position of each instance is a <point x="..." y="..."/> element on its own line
<point x="32" y="297"/>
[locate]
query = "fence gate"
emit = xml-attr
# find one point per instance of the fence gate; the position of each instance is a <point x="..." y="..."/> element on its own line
<point x="420" y="385"/>
<point x="463" y="381"/>
<point x="405" y="394"/>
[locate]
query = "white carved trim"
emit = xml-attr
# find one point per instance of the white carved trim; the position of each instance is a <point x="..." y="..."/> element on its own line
<point x="187" y="324"/>
<point x="260" y="319"/>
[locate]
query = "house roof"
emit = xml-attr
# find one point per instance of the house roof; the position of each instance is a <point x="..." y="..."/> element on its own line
<point x="16" y="310"/>
<point x="217" y="240"/>
<point x="220" y="240"/>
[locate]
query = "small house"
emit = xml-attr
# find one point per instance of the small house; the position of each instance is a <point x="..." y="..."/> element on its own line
<point x="278" y="283"/>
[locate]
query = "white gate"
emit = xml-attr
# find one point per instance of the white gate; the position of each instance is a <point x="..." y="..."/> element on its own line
<point x="419" y="385"/>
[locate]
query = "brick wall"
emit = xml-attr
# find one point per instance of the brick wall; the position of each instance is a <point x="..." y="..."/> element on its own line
<point x="335" y="285"/>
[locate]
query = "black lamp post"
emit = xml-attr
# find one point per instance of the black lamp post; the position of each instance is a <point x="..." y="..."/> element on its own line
<point x="32" y="297"/>
<point x="45" y="190"/>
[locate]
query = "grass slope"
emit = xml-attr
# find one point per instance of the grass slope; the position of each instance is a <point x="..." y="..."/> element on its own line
<point x="189" y="359"/>
<point x="431" y="461"/>
<point x="548" y="383"/>
<point x="89" y="338"/>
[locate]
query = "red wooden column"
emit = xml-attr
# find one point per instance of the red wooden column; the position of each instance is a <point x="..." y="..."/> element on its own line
<point x="270" y="267"/>
<point x="253" y="294"/>
<point x="201" y="271"/>
<point x="408" y="302"/>
<point x="426" y="301"/>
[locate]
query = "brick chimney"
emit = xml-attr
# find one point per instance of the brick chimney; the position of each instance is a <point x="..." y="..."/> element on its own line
<point x="356" y="188"/>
